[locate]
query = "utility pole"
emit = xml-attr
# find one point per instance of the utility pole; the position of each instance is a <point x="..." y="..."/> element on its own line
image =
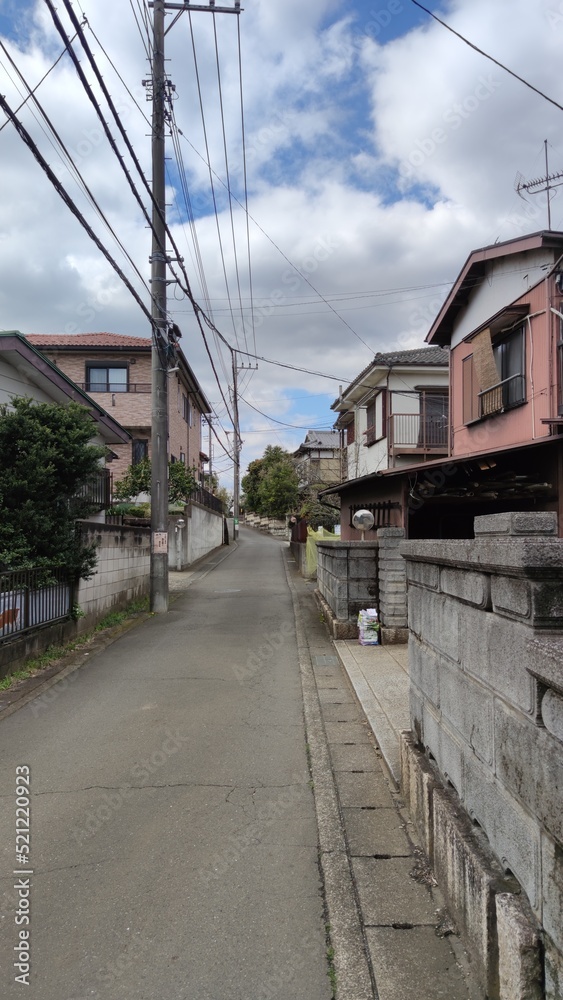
<point x="159" y="427"/>
<point x="160" y="323"/>
<point x="236" y="448"/>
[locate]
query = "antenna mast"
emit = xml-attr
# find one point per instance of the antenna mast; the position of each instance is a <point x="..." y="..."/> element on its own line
<point x="541" y="184"/>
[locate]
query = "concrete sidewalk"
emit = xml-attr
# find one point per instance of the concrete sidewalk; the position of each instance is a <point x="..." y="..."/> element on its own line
<point x="379" y="676"/>
<point x="409" y="947"/>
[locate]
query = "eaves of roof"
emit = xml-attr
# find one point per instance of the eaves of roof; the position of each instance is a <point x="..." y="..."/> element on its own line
<point x="16" y="342"/>
<point x="440" y="332"/>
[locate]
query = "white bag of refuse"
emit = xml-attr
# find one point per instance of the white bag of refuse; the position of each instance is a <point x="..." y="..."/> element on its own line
<point x="368" y="625"/>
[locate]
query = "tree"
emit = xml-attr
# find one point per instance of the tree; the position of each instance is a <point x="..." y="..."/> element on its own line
<point x="271" y="484"/>
<point x="137" y="479"/>
<point x="46" y="464"/>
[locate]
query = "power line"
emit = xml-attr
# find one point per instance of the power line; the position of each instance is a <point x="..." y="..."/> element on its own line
<point x="44" y="77"/>
<point x="73" y="168"/>
<point x="487" y="56"/>
<point x="24" y="134"/>
<point x="283" y="423"/>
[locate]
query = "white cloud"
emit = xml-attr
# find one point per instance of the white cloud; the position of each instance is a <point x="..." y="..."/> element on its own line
<point x="374" y="165"/>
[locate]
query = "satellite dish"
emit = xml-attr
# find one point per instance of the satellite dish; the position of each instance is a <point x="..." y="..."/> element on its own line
<point x="363" y="520"/>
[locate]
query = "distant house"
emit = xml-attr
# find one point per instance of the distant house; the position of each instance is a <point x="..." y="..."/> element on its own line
<point x="24" y="371"/>
<point x="395" y="411"/>
<point x="318" y="459"/>
<point x="115" y="370"/>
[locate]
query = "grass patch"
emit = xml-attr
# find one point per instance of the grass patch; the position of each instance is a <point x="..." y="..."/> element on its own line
<point x="53" y="653"/>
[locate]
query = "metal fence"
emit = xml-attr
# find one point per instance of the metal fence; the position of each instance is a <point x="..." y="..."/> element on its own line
<point x="206" y="499"/>
<point x="30" y="598"/>
<point x="98" y="490"/>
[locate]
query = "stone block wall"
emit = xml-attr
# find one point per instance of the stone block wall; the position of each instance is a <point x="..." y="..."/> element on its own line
<point x="486" y="671"/>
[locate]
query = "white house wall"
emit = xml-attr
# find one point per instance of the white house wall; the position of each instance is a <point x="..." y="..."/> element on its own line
<point x="507" y="279"/>
<point x="14" y="382"/>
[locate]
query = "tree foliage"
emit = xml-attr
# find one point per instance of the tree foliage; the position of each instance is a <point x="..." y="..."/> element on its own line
<point x="46" y="461"/>
<point x="319" y="514"/>
<point x="271" y="484"/>
<point x="137" y="479"/>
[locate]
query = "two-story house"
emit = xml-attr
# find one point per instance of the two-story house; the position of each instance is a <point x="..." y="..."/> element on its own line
<point x="24" y="371"/>
<point x="318" y="459"/>
<point x="396" y="410"/>
<point x="393" y="414"/>
<point x="115" y="370"/>
<point x="503" y="323"/>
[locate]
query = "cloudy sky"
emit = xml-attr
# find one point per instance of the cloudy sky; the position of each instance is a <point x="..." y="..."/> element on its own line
<point x="380" y="150"/>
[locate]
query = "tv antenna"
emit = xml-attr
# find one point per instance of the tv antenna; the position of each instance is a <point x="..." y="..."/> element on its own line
<point x="541" y="184"/>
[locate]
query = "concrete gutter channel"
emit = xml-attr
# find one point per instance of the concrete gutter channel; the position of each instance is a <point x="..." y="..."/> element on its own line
<point x="391" y="934"/>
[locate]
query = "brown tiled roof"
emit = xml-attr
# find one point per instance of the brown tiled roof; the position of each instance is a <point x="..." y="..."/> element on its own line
<point x="49" y="340"/>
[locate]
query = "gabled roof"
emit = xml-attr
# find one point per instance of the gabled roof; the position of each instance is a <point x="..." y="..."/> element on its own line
<point x="16" y="349"/>
<point x="473" y="271"/>
<point x="87" y="341"/>
<point x="420" y="357"/>
<point x="318" y="441"/>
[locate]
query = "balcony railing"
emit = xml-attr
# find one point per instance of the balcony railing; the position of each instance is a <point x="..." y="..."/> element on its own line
<point x="414" y="432"/>
<point x="502" y="396"/>
<point x="117" y="389"/>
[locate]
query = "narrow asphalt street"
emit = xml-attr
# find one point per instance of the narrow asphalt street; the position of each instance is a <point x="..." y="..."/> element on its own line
<point x="173" y="835"/>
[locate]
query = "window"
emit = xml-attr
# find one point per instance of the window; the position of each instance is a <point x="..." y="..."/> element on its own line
<point x="350" y="436"/>
<point x="106" y="379"/>
<point x="140" y="450"/>
<point x="376" y="418"/>
<point x="493" y="376"/>
<point x="509" y="358"/>
<point x="187" y="410"/>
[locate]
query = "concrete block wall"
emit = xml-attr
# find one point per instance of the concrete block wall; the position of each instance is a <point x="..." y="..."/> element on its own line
<point x="347" y="577"/>
<point x="122" y="570"/>
<point x="486" y="671"/>
<point x="193" y="535"/>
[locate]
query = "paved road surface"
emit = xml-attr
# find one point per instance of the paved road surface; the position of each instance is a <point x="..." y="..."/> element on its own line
<point x="174" y="842"/>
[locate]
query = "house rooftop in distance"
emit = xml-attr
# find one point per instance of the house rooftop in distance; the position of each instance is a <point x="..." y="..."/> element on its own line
<point x="419" y="357"/>
<point x="318" y="441"/>
<point x="85" y="341"/>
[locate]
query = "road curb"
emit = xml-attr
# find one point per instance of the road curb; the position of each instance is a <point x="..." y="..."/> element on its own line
<point x="353" y="974"/>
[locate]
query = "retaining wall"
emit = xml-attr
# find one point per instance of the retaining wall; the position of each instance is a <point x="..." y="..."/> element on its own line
<point x="483" y="773"/>
<point x="201" y="533"/>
